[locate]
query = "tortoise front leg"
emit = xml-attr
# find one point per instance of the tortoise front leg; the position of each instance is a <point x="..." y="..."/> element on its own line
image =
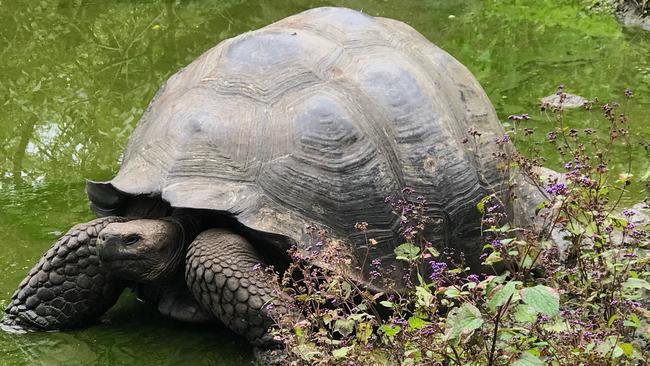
<point x="220" y="272"/>
<point x="67" y="288"/>
<point x="174" y="301"/>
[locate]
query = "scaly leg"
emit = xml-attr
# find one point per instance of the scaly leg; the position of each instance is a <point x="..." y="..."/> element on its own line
<point x="67" y="288"/>
<point x="220" y="273"/>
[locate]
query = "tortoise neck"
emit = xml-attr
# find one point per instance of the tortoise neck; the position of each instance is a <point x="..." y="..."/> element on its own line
<point x="191" y="223"/>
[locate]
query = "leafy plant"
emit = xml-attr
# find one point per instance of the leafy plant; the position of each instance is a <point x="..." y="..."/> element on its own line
<point x="569" y="288"/>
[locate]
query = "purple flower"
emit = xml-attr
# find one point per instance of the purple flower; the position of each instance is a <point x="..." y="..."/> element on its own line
<point x="631" y="303"/>
<point x="376" y="262"/>
<point x="543" y="318"/>
<point x="585" y="181"/>
<point x="629" y="213"/>
<point x="519" y="117"/>
<point x="501" y="140"/>
<point x="556" y="189"/>
<point x="473" y="132"/>
<point x="295" y="255"/>
<point x="427" y="330"/>
<point x="473" y="278"/>
<point x="437" y="269"/>
<point x="400" y="322"/>
<point x="628" y="93"/>
<point x="496" y="244"/>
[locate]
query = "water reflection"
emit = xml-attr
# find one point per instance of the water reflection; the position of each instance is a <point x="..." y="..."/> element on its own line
<point x="76" y="75"/>
<point x="135" y="335"/>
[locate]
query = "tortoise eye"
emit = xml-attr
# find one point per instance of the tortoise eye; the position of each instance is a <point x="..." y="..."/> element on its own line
<point x="132" y="239"/>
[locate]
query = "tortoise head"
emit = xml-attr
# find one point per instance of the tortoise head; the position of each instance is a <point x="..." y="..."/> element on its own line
<point x="144" y="251"/>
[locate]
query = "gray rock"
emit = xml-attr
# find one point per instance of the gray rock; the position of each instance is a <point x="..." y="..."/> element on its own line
<point x="571" y="101"/>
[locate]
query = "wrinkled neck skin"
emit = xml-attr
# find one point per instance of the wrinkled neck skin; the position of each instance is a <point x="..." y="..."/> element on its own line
<point x="190" y="224"/>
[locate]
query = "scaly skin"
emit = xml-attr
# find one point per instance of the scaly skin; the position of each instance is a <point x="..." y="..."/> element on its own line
<point x="67" y="288"/>
<point x="220" y="273"/>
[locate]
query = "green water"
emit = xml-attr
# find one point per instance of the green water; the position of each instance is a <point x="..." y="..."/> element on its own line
<point x="76" y="75"/>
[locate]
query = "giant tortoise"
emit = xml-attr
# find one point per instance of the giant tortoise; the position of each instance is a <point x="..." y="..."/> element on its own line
<point x="308" y="122"/>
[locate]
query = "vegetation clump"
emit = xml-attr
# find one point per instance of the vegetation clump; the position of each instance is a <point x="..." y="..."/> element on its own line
<point x="569" y="288"/>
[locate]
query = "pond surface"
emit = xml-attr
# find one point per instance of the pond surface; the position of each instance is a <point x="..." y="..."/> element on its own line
<point x="75" y="76"/>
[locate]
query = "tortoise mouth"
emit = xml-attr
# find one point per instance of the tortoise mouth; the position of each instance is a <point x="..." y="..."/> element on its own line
<point x="136" y="269"/>
<point x="112" y="250"/>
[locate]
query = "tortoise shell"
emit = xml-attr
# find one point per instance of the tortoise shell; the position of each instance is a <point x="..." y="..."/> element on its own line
<point x="315" y="120"/>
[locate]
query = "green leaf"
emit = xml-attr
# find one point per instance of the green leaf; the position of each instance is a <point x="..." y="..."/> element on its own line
<point x="636" y="283"/>
<point x="611" y="320"/>
<point x="434" y="252"/>
<point x="557" y="327"/>
<point x="407" y="252"/>
<point x="416" y="323"/>
<point x="364" y="331"/>
<point x="452" y="292"/>
<point x="386" y="304"/>
<point x="424" y="296"/>
<point x="480" y="206"/>
<point x="327" y="317"/>
<point x="610" y="345"/>
<point x="528" y="359"/>
<point x="462" y="320"/>
<point x="344" y="326"/>
<point x="341" y="352"/>
<point x="390" y="330"/>
<point x="493" y="258"/>
<point x="627" y="348"/>
<point x="307" y="352"/>
<point x="525" y="314"/>
<point x="502" y="294"/>
<point x="542" y="299"/>
<point x="633" y="321"/>
<point x="347" y="289"/>
<point x="528" y="262"/>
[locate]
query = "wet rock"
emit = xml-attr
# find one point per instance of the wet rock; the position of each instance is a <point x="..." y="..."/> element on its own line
<point x="631" y="14"/>
<point x="571" y="101"/>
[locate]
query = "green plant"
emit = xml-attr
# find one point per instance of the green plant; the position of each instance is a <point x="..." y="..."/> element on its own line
<point x="581" y="303"/>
